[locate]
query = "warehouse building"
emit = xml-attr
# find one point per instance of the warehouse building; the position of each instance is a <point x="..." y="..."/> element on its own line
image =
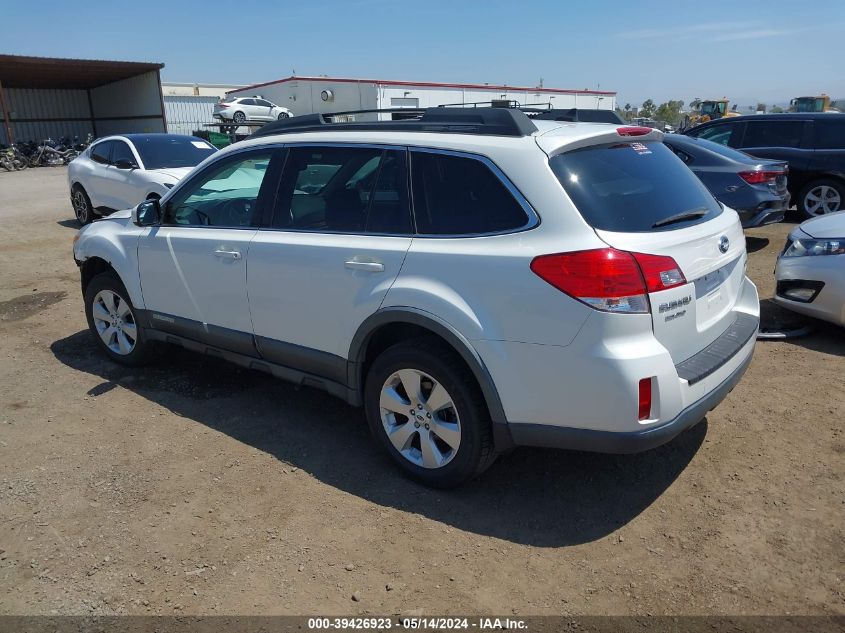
<point x="305" y="95"/>
<point x="42" y="97"/>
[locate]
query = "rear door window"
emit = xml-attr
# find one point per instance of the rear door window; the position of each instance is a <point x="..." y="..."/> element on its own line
<point x="344" y="190"/>
<point x="458" y="195"/>
<point x="773" y="133"/>
<point x="829" y="134"/>
<point x="724" y="134"/>
<point x="633" y="187"/>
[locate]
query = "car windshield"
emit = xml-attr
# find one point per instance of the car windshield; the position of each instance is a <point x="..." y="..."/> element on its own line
<point x="809" y="104"/>
<point x="633" y="187"/>
<point x="165" y="151"/>
<point x="711" y="107"/>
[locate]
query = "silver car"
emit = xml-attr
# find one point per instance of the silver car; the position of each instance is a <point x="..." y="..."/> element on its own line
<point x="811" y="269"/>
<point x="241" y="109"/>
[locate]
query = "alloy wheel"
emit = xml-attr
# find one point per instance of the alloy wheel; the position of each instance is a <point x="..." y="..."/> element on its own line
<point x="420" y="418"/>
<point x="114" y="322"/>
<point x="80" y="206"/>
<point x="822" y="199"/>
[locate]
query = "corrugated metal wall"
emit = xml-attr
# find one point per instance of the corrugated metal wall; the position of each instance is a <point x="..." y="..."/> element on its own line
<point x="54" y="112"/>
<point x="186" y="114"/>
<point x="36" y="114"/>
<point x="137" y="98"/>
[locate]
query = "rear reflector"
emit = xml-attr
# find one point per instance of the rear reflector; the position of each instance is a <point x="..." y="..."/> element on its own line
<point x="608" y="279"/>
<point x="760" y="177"/>
<point x="633" y="131"/>
<point x="645" y="399"/>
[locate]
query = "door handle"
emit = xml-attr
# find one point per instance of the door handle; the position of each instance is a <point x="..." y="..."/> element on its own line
<point x="227" y="254"/>
<point x="372" y="267"/>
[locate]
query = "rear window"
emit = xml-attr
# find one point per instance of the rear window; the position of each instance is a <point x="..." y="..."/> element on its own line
<point x="633" y="187"/>
<point x="455" y="195"/>
<point x="773" y="134"/>
<point x="164" y="151"/>
<point x="829" y="134"/>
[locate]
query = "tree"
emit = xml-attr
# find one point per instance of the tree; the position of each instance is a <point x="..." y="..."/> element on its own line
<point x="670" y="112"/>
<point x="647" y="109"/>
<point x="761" y="107"/>
<point x="776" y="110"/>
<point x="695" y="104"/>
<point x="627" y="111"/>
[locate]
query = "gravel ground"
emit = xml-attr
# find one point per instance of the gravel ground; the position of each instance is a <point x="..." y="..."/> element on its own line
<point x="194" y="487"/>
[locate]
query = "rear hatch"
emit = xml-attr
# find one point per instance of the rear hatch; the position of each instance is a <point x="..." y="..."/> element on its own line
<point x="641" y="198"/>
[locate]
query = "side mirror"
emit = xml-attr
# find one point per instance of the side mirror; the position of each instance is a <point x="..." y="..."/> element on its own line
<point x="147" y="213"/>
<point x="125" y="163"/>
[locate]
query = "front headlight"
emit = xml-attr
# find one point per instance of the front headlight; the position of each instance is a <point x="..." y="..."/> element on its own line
<point x="808" y="247"/>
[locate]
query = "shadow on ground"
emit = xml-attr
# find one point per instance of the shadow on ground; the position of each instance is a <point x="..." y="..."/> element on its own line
<point x="754" y="244"/>
<point x="824" y="337"/>
<point x="69" y="224"/>
<point x="543" y="498"/>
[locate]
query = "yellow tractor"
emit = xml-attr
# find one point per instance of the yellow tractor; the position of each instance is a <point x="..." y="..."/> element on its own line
<point x="812" y="104"/>
<point x="709" y="110"/>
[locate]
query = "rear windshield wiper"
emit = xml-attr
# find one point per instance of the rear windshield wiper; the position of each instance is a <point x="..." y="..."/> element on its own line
<point x="680" y="217"/>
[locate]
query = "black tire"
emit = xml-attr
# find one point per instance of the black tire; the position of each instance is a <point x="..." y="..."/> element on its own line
<point x="802" y="202"/>
<point x="475" y="452"/>
<point x="144" y="350"/>
<point x="238" y="117"/>
<point x="282" y="116"/>
<point x="82" y="208"/>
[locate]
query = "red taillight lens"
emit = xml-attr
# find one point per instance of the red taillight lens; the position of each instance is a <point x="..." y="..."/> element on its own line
<point x="222" y="105"/>
<point x="605" y="279"/>
<point x="659" y="272"/>
<point x="760" y="177"/>
<point x="645" y="399"/>
<point x="633" y="131"/>
<point x="608" y="279"/>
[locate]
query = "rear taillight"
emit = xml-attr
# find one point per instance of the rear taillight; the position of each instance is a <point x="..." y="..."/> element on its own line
<point x="760" y="177"/>
<point x="644" y="409"/>
<point x="222" y="105"/>
<point x="633" y="131"/>
<point x="608" y="279"/>
<point x="659" y="272"/>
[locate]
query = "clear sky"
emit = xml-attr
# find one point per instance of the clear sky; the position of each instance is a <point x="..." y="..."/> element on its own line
<point x="743" y="49"/>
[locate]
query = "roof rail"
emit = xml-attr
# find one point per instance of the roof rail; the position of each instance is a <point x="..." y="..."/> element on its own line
<point x="486" y="121"/>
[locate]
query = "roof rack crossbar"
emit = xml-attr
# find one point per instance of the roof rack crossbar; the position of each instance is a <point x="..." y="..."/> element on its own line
<point x="485" y="121"/>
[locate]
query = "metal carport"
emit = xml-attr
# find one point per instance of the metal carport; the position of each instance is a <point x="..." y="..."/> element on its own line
<point x="44" y="97"/>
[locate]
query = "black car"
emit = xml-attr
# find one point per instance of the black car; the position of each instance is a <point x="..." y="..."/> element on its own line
<point x="812" y="143"/>
<point x="755" y="188"/>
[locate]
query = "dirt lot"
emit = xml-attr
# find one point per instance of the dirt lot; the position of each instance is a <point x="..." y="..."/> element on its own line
<point x="196" y="487"/>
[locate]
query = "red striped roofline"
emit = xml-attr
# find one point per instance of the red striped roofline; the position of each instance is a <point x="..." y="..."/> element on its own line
<point x="424" y="84"/>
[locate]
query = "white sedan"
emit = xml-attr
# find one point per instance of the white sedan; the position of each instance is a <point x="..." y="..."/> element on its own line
<point x="241" y="109"/>
<point x="118" y="172"/>
<point x="811" y="269"/>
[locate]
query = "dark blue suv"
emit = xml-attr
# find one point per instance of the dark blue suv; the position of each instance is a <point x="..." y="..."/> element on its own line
<point x="813" y="144"/>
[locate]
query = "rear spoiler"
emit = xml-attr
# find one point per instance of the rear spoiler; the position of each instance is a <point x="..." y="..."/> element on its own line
<point x="553" y="142"/>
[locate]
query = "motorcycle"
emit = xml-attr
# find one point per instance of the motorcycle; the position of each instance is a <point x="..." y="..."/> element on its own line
<point x="46" y="155"/>
<point x="12" y="159"/>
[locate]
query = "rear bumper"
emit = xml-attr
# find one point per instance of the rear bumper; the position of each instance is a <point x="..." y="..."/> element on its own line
<point x="547" y="436"/>
<point x="768" y="212"/>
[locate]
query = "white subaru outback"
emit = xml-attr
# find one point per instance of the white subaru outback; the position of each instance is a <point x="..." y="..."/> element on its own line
<point x="475" y="280"/>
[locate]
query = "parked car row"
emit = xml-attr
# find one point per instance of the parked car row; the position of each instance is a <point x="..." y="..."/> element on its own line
<point x="812" y="144"/>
